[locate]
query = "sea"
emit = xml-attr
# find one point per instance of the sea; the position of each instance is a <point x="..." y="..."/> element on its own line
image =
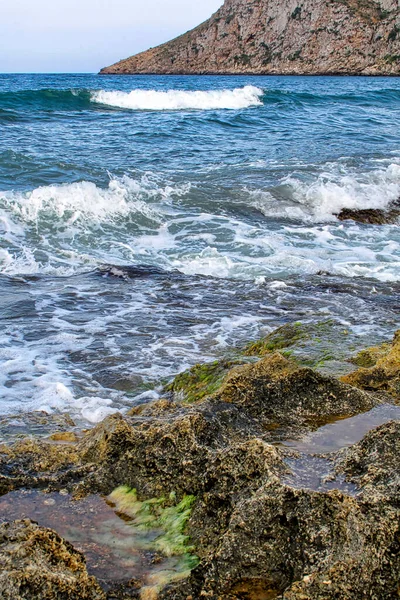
<point x="151" y="223"/>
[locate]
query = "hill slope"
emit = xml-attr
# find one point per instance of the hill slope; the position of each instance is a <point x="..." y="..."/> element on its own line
<point x="282" y="36"/>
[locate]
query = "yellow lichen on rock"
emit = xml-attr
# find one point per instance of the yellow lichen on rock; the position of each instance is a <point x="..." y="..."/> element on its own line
<point x="384" y="375"/>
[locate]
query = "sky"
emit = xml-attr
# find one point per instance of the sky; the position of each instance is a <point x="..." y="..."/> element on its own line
<point x="74" y="36"/>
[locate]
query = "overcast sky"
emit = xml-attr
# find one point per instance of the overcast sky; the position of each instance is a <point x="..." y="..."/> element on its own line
<point x="85" y="35"/>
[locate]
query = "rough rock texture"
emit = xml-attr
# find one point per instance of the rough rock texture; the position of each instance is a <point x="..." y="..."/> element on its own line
<point x="272" y="399"/>
<point x="382" y="376"/>
<point x="37" y="463"/>
<point x="295" y="542"/>
<point x="371" y="216"/>
<point x="257" y="537"/>
<point x="372" y="464"/>
<point x="282" y="37"/>
<point x="279" y="390"/>
<point x="36" y="564"/>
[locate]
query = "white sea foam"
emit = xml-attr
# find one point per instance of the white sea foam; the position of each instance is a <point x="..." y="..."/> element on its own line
<point x="71" y="224"/>
<point x="235" y="99"/>
<point x="75" y="202"/>
<point x="320" y="200"/>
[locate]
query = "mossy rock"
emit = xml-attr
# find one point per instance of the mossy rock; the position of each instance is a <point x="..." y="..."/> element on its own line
<point x="159" y="526"/>
<point x="383" y="375"/>
<point x="280" y="338"/>
<point x="370" y="356"/>
<point x="201" y="380"/>
<point x="321" y="345"/>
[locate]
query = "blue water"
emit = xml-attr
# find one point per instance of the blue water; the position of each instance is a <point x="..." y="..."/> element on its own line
<point x="148" y="223"/>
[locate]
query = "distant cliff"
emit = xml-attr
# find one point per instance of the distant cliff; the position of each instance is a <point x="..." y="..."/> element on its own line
<point x="282" y="36"/>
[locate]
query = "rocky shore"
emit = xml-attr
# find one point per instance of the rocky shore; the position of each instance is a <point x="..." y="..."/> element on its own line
<point x="272" y="37"/>
<point x="206" y="483"/>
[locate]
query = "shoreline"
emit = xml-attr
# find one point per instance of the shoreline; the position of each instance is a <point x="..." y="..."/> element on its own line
<point x="223" y="435"/>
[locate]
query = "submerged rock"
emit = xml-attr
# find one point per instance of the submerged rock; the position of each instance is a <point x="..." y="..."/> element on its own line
<point x="36" y="564"/>
<point x="384" y="374"/>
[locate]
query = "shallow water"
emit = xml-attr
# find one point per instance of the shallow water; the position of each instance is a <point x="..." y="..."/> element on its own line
<point x="149" y="223"/>
<point x="311" y="470"/>
<point x="345" y="432"/>
<point x="114" y="549"/>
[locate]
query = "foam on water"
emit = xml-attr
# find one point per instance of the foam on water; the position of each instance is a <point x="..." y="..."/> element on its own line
<point x="214" y="227"/>
<point x="72" y="228"/>
<point x="235" y="99"/>
<point x="322" y="198"/>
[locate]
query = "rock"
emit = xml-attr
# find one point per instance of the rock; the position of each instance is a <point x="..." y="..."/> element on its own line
<point x="374" y="463"/>
<point x="277" y="389"/>
<point x="36" y="564"/>
<point x="32" y="463"/>
<point x="200" y="381"/>
<point x="370" y="356"/>
<point x="290" y="37"/>
<point x="384" y="375"/>
<point x="298" y="544"/>
<point x="64" y="436"/>
<point x="165" y="445"/>
<point x="371" y="216"/>
<point x="282" y="338"/>
<point x="254" y="535"/>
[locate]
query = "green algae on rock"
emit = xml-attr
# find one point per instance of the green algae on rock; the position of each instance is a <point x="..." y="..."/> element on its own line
<point x="279" y="339"/>
<point x="158" y="513"/>
<point x="167" y="522"/>
<point x="370" y="356"/>
<point x="200" y="381"/>
<point x="323" y="345"/>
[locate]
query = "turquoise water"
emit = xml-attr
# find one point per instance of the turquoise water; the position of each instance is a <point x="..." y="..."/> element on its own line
<point x="148" y="223"/>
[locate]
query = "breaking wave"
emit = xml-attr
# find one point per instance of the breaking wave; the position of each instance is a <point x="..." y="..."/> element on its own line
<point x="323" y="198"/>
<point x="180" y="99"/>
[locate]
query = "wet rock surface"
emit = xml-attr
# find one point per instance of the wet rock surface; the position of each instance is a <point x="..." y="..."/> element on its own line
<point x="372" y="216"/>
<point x="257" y="530"/>
<point x="36" y="563"/>
<point x="383" y="371"/>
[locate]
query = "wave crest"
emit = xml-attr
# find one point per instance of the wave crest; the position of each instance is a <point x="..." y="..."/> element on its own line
<point x="235" y="99"/>
<point x="332" y="191"/>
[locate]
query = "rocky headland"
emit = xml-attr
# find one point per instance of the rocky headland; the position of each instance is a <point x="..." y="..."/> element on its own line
<point x="312" y="37"/>
<point x="213" y="488"/>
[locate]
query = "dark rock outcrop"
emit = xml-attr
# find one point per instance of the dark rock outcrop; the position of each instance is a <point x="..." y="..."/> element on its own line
<point x="289" y="37"/>
<point x="272" y="399"/>
<point x="371" y="216"/>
